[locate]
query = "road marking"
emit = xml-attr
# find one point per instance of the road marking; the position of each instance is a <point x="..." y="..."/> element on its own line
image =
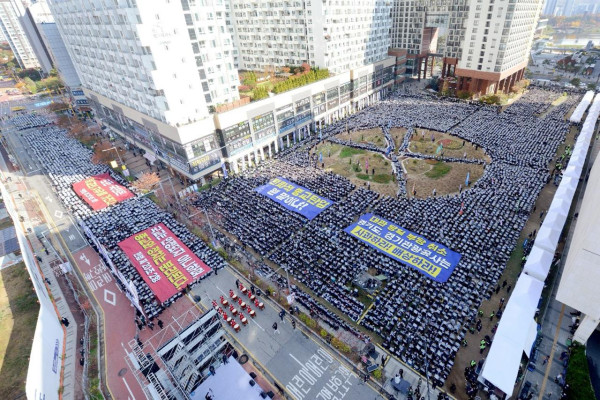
<point x="107" y="294"/>
<point x="543" y="388"/>
<point x="84" y="258"/>
<point x="71" y="237"/>
<point x="128" y="389"/>
<point x="58" y="214"/>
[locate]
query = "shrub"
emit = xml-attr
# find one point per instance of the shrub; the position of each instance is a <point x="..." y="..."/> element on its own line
<point x="377" y="374"/>
<point x="323" y="333"/>
<point x="308" y="321"/>
<point x="464" y="94"/>
<point x="578" y="375"/>
<point x="244" y="88"/>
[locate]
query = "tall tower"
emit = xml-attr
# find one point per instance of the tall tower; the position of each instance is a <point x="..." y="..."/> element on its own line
<point x="10" y="13"/>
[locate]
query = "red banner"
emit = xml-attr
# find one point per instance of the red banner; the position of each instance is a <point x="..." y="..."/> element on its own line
<point x="101" y="191"/>
<point x="166" y="265"/>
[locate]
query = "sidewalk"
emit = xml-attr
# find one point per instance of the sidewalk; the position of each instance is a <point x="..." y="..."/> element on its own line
<point x="555" y="326"/>
<point x="69" y="378"/>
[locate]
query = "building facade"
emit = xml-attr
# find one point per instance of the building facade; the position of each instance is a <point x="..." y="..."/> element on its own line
<point x="38" y="13"/>
<point x="339" y="35"/>
<point x="11" y="12"/>
<point x="487" y="42"/>
<point x="239" y="138"/>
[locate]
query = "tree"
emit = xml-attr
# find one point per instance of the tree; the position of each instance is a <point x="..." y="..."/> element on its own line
<point x="575" y="82"/>
<point x="146" y="182"/>
<point x="30" y="85"/>
<point x="53" y="72"/>
<point x="591" y="86"/>
<point x="57" y="107"/>
<point x="105" y="152"/>
<point x="77" y="129"/>
<point x="260" y="93"/>
<point x="305" y="68"/>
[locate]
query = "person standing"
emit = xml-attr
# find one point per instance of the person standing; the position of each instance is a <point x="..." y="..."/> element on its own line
<point x="275" y="328"/>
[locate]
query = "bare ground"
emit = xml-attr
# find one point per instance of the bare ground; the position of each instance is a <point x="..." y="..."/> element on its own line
<point x="452" y="146"/>
<point x="447" y="184"/>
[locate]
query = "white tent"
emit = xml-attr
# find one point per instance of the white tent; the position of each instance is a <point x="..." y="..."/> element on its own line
<point x="565" y="192"/>
<point x="560" y="206"/>
<point x="547" y="237"/>
<point x="572" y="171"/>
<point x="515" y="334"/>
<point x="538" y="263"/>
<point x="581" y="107"/>
<point x="570" y="182"/>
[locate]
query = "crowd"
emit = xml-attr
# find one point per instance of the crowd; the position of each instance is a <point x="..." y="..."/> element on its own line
<point x="423" y="322"/>
<point x="28" y="121"/>
<point x="66" y="162"/>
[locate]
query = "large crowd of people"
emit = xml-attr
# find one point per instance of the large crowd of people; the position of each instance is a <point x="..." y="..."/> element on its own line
<point x="423" y="322"/>
<point x="66" y="162"/>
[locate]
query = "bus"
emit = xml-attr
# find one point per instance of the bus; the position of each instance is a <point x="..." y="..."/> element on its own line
<point x="17" y="109"/>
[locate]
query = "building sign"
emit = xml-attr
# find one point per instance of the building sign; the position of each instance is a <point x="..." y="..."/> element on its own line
<point x="163" y="261"/>
<point x="262" y="121"/>
<point x="264" y="134"/>
<point x="429" y="258"/>
<point x="205" y="161"/>
<point x="294" y="197"/>
<point x="236" y="132"/>
<point x="332" y="103"/>
<point x="239" y="145"/>
<point x="101" y="191"/>
<point x="319" y="98"/>
<point x="344" y="98"/>
<point x="77" y="92"/>
<point x="303" y="105"/>
<point x="300" y="118"/>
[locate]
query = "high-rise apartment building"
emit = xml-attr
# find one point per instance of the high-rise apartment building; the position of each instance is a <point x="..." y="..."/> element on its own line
<point x="487" y="43"/>
<point x="11" y="11"/>
<point x="338" y="35"/>
<point x="35" y="14"/>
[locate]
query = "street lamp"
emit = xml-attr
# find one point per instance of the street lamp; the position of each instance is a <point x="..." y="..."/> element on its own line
<point x="117" y="151"/>
<point x="212" y="233"/>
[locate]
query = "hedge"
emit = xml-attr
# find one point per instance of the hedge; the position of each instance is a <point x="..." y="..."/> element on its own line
<point x="578" y="375"/>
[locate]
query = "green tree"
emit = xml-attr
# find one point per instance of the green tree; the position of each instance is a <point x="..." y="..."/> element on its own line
<point x="575" y="82"/>
<point x="591" y="86"/>
<point x="260" y="93"/>
<point x="30" y="85"/>
<point x="53" y="72"/>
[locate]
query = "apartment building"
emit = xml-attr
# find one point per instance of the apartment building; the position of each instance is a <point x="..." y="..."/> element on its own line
<point x="339" y="35"/>
<point x="487" y="41"/>
<point x="11" y="13"/>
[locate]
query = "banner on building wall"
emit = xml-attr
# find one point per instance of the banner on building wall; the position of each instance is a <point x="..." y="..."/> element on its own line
<point x="294" y="197"/>
<point x="429" y="258"/>
<point x="163" y="261"/>
<point x="101" y="191"/>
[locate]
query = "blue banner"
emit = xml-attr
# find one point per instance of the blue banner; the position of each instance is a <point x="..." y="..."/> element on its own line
<point x="294" y="198"/>
<point x="429" y="258"/>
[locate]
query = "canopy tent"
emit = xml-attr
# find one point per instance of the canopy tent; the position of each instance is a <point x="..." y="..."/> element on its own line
<point x="582" y="106"/>
<point x="569" y="182"/>
<point x="151" y="157"/>
<point x="538" y="263"/>
<point x="514" y="334"/>
<point x="565" y="192"/>
<point x="547" y="237"/>
<point x="572" y="171"/>
<point x="560" y="206"/>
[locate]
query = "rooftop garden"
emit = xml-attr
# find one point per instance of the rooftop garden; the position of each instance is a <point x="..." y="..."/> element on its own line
<point x="258" y="85"/>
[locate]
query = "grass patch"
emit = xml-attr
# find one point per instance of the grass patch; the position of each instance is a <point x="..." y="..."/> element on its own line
<point x="578" y="375"/>
<point x="363" y="177"/>
<point x="439" y="169"/>
<point x="350" y="151"/>
<point x="382" y="178"/>
<point x="18" y="317"/>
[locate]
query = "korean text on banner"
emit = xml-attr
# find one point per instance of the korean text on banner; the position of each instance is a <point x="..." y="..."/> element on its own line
<point x="164" y="262"/>
<point x="294" y="197"/>
<point x="101" y="191"/>
<point x="429" y="258"/>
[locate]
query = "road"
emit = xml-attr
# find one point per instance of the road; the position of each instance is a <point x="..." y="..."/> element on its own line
<point x="301" y="365"/>
<point x="305" y="368"/>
